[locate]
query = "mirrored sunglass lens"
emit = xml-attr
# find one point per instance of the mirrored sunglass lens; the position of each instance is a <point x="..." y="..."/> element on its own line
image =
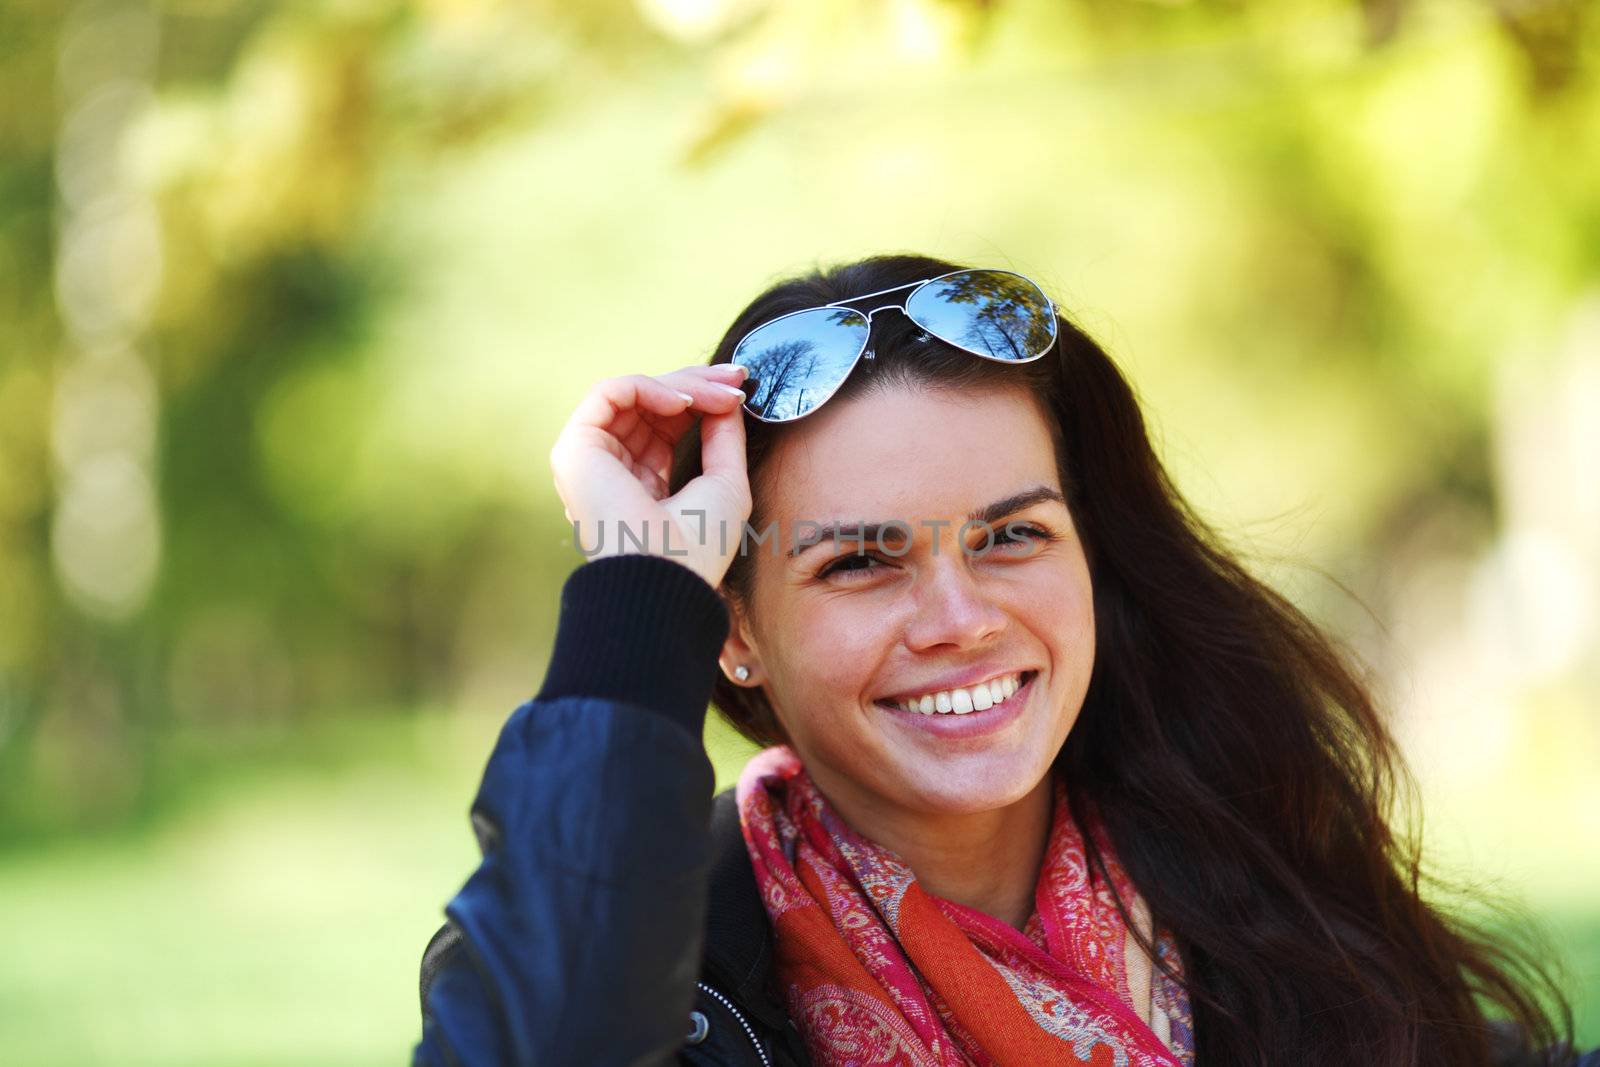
<point x="797" y="362"/>
<point x="993" y="313"/>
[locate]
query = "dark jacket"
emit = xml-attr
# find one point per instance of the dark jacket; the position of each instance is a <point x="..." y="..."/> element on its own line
<point x="614" y="918"/>
<point x="735" y="1009"/>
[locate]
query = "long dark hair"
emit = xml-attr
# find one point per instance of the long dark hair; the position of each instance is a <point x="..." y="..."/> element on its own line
<point x="1237" y="759"/>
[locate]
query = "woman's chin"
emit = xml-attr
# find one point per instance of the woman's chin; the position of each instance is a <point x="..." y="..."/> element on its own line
<point x="973" y="787"/>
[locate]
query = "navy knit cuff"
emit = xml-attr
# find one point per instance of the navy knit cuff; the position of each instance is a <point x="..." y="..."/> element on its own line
<point x="639" y="628"/>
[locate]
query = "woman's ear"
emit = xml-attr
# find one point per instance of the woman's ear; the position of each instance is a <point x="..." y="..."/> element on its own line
<point x="740" y="659"/>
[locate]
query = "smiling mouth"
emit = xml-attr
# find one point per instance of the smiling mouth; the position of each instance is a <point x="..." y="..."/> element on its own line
<point x="965" y="701"/>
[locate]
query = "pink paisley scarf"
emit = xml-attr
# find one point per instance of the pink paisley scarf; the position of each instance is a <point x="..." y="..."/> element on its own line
<point x="875" y="970"/>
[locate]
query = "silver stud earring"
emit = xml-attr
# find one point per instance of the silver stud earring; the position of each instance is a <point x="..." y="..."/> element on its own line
<point x="742" y="673"/>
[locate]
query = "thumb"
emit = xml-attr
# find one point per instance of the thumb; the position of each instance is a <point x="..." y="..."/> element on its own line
<point x="722" y="458"/>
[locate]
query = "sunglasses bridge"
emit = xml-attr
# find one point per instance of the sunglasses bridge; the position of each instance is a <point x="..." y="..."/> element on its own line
<point x="868" y="354"/>
<point x="902" y="306"/>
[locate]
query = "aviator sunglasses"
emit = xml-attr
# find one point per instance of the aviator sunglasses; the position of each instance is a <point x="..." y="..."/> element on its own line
<point x="795" y="362"/>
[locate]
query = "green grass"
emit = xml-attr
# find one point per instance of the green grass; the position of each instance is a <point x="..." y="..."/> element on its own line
<point x="276" y="915"/>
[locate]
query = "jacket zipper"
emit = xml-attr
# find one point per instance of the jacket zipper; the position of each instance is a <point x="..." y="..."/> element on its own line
<point x="751" y="1034"/>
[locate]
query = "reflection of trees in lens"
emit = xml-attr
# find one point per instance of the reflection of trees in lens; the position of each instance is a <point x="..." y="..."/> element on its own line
<point x="795" y="373"/>
<point x="1009" y="318"/>
<point x="785" y="366"/>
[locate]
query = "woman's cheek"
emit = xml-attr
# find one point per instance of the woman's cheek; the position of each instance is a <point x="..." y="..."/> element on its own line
<point x="857" y="627"/>
<point x="842" y="652"/>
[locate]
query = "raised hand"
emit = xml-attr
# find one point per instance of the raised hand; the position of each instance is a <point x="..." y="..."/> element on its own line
<point x="612" y="459"/>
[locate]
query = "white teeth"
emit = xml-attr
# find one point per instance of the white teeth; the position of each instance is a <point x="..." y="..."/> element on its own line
<point x="980" y="697"/>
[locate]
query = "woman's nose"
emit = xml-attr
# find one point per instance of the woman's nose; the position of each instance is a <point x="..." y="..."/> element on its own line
<point x="952" y="608"/>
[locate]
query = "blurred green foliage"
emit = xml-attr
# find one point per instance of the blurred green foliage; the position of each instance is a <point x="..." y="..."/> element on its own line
<point x="294" y="297"/>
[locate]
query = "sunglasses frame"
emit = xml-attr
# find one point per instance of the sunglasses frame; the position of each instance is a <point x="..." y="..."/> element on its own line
<point x="900" y="306"/>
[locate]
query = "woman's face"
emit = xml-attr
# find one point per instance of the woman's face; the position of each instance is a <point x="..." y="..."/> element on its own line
<point x="842" y="633"/>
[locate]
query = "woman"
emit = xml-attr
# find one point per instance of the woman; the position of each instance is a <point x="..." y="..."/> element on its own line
<point x="1047" y="777"/>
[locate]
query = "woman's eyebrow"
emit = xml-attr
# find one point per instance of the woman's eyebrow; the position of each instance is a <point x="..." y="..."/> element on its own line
<point x="991" y="513"/>
<point x="869" y="532"/>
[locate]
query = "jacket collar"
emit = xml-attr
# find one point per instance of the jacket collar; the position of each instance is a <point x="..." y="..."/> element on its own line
<point x="739" y="942"/>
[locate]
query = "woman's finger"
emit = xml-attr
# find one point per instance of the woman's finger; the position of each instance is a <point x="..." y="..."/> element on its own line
<point x="722" y="448"/>
<point x="657" y="455"/>
<point x="710" y="395"/>
<point x="720" y="372"/>
<point x="660" y="432"/>
<point x="646" y="431"/>
<point x="610" y="399"/>
<point x="653" y="482"/>
<point x="708" y="383"/>
<point x="652" y="442"/>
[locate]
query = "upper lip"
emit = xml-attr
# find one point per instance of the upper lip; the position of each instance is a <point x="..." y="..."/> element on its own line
<point x="962" y="680"/>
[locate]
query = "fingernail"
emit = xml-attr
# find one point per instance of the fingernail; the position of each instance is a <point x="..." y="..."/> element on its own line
<point x="687" y="399"/>
<point x="735" y="390"/>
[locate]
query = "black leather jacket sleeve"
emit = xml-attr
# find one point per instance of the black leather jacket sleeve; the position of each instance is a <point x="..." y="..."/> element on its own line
<point x="581" y="930"/>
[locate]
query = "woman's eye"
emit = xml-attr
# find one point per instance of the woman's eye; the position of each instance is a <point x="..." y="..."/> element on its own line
<point x="1018" y="534"/>
<point x="1022" y="533"/>
<point x="1012" y="534"/>
<point x="855" y="563"/>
